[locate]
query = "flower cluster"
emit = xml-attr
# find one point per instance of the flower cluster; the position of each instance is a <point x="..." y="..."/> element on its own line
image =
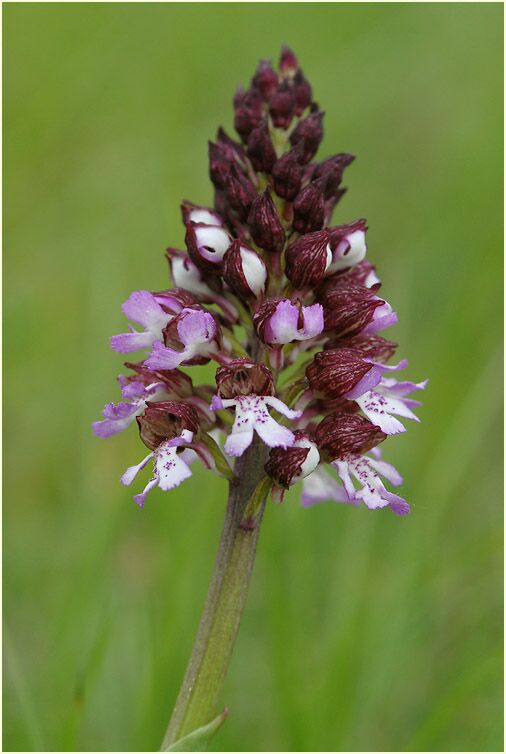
<point x="286" y="304"/>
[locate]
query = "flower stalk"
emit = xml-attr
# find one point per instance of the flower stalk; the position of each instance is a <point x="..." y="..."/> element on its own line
<point x="198" y="698"/>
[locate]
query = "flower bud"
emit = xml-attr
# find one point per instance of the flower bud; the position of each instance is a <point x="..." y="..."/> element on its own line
<point x="338" y="435"/>
<point x="185" y="274"/>
<point x="243" y="377"/>
<point x="334" y="373"/>
<point x="207" y="245"/>
<point x="287" y="173"/>
<point x="302" y="92"/>
<point x="193" y="213"/>
<point x="309" y="207"/>
<point x="261" y="149"/>
<point x="225" y="210"/>
<point x="219" y="165"/>
<point x="370" y="346"/>
<point x="310" y="132"/>
<point x="283" y="321"/>
<point x="175" y="299"/>
<point x="332" y="169"/>
<point x="288" y="62"/>
<point x="240" y="192"/>
<point x="222" y="155"/>
<point x="288" y="466"/>
<point x="175" y="381"/>
<point x="233" y="150"/>
<point x="265" y="226"/>
<point x="248" y="112"/>
<point x="307" y="258"/>
<point x="244" y="271"/>
<point x="165" y="420"/>
<point x="363" y="273"/>
<point x="348" y="246"/>
<point x="265" y="79"/>
<point x="348" y="308"/>
<point x="282" y="105"/>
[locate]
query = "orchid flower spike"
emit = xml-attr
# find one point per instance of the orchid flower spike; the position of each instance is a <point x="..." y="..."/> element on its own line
<point x="289" y="307"/>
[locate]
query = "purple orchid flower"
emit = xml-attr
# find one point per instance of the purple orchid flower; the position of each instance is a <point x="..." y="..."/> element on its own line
<point x="252" y="414"/>
<point x="119" y="416"/>
<point x="367" y="471"/>
<point x="280" y="322"/>
<point x="197" y="333"/>
<point x="387" y="398"/>
<point x="169" y="468"/>
<point x="141" y="307"/>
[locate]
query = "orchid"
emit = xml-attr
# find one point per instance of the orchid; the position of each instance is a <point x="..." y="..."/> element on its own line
<point x="288" y="307"/>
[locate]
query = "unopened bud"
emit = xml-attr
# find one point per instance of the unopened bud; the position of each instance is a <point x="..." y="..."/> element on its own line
<point x="240" y="192"/>
<point x="261" y="149"/>
<point x="370" y="346"/>
<point x="165" y="420"/>
<point x="338" y="435"/>
<point x="265" y="79"/>
<point x="248" y="112"/>
<point x="282" y="105"/>
<point x="207" y="245"/>
<point x="224" y="208"/>
<point x="287" y="173"/>
<point x="307" y="258"/>
<point x="193" y="213"/>
<point x="309" y="207"/>
<point x="348" y="245"/>
<point x="185" y="274"/>
<point x="302" y="92"/>
<point x="175" y="299"/>
<point x="288" y="466"/>
<point x="243" y="377"/>
<point x="233" y="150"/>
<point x="348" y="308"/>
<point x="363" y="273"/>
<point x="219" y="165"/>
<point x="244" y="271"/>
<point x="288" y="62"/>
<point x="332" y="169"/>
<point x="264" y="223"/>
<point x="310" y="131"/>
<point x="334" y="373"/>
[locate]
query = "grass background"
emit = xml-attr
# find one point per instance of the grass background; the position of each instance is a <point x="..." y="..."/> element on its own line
<point x="362" y="631"/>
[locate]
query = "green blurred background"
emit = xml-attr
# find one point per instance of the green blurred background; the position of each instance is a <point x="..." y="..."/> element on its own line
<point x="362" y="631"/>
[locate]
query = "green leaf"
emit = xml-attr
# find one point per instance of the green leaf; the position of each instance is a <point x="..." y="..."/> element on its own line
<point x="198" y="739"/>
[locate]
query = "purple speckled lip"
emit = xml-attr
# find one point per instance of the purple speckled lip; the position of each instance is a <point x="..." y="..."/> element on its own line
<point x="286" y="303"/>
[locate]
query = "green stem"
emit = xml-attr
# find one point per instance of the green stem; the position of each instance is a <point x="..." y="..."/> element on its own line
<point x="197" y="702"/>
